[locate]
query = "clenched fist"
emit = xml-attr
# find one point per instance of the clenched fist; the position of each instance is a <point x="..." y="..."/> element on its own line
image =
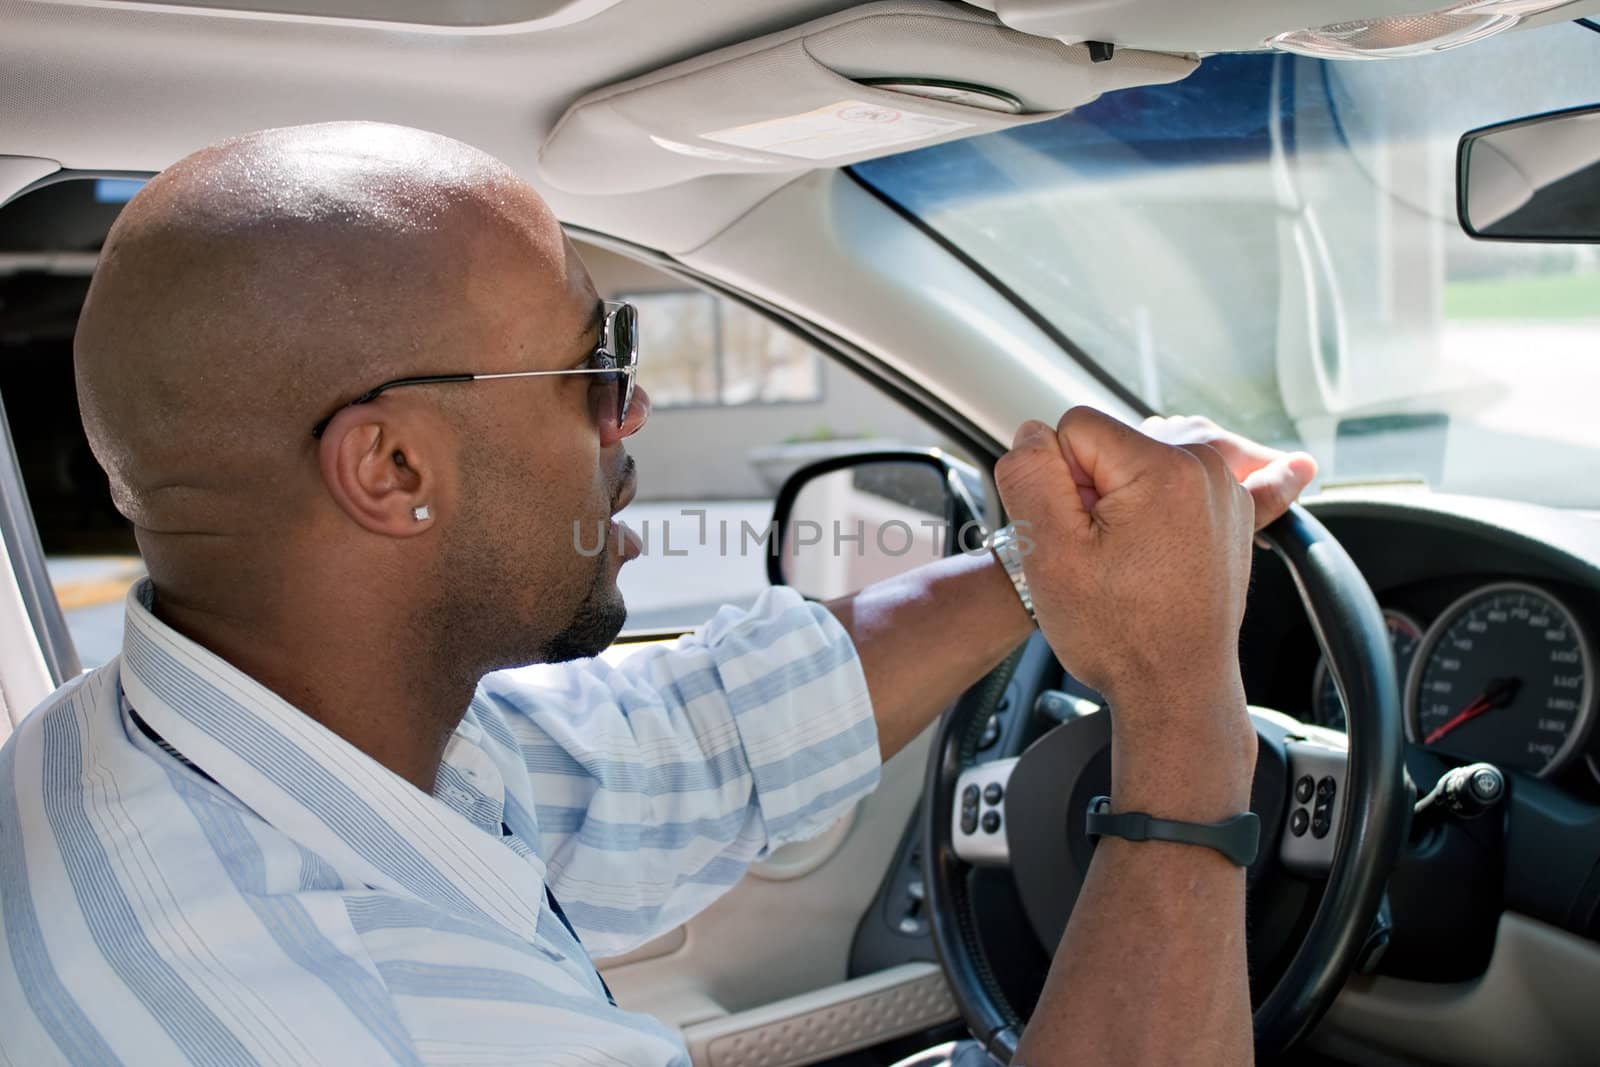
<point x="1139" y="566"/>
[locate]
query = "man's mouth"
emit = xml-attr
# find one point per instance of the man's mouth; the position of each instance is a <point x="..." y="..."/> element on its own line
<point x="628" y="544"/>
<point x="629" y="486"/>
<point x="625" y="497"/>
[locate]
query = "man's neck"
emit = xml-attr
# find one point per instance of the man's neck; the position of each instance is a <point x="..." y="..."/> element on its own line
<point x="377" y="691"/>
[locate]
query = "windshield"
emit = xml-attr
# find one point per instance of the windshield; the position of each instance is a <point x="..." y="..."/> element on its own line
<point x="1273" y="242"/>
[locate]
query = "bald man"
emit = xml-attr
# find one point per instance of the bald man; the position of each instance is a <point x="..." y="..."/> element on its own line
<point x="353" y="388"/>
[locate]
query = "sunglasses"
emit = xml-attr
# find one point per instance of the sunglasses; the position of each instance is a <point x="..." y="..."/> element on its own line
<point x="614" y="364"/>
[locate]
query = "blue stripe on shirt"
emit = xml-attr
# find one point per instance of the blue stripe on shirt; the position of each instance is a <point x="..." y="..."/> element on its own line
<point x="114" y="924"/>
<point x="291" y="929"/>
<point x="47" y="996"/>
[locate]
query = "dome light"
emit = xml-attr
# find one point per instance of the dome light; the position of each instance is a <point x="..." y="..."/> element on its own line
<point x="1409" y="35"/>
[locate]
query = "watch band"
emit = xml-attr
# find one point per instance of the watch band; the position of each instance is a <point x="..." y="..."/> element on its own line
<point x="1238" y="838"/>
<point x="1003" y="543"/>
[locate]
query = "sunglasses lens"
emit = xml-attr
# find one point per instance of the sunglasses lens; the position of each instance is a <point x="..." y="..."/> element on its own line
<point x="625" y="331"/>
<point x="611" y="393"/>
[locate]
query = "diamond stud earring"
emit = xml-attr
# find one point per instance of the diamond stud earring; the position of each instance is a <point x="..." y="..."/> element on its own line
<point x="420" y="513"/>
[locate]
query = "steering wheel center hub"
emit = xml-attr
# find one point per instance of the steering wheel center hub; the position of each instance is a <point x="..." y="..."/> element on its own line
<point x="1049" y="793"/>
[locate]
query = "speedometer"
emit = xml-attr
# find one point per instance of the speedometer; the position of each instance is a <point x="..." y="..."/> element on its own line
<point x="1505" y="675"/>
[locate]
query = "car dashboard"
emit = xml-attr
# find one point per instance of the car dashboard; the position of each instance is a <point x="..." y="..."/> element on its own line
<point x="1493" y="612"/>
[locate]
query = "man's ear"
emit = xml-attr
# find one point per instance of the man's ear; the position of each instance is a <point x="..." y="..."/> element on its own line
<point x="384" y="473"/>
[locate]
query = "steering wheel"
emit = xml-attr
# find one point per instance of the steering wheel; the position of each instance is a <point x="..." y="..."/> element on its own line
<point x="1344" y="836"/>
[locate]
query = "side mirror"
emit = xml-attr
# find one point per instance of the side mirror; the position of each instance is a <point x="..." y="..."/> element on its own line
<point x="1535" y="179"/>
<point x="848" y="521"/>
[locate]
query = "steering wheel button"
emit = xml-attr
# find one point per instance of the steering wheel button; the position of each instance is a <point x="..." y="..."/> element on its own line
<point x="1304" y="788"/>
<point x="969" y="796"/>
<point x="1320" y="826"/>
<point x="1326" y="788"/>
<point x="993" y="793"/>
<point x="1299" y="821"/>
<point x="969" y="821"/>
<point x="991" y="822"/>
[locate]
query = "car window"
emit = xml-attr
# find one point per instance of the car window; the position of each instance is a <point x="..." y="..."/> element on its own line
<point x="1273" y="242"/>
<point x="49" y="240"/>
<point x="739" y="402"/>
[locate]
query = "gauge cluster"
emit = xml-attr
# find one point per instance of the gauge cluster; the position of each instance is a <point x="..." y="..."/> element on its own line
<point x="1504" y="674"/>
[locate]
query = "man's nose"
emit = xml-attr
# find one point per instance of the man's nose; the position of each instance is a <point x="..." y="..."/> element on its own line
<point x="638" y="412"/>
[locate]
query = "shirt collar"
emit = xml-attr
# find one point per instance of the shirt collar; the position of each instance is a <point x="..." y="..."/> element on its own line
<point x="311" y="784"/>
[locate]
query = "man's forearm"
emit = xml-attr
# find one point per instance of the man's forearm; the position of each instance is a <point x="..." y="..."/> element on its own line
<point x="1153" y="958"/>
<point x="928" y="635"/>
<point x="1152" y="966"/>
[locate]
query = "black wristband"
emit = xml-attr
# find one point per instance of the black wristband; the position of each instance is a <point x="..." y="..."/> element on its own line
<point x="1238" y="838"/>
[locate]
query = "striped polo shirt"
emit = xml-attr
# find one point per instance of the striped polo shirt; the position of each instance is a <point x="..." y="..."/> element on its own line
<point x="192" y="871"/>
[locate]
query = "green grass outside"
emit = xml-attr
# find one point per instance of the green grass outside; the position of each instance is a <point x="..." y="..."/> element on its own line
<point x="1549" y="296"/>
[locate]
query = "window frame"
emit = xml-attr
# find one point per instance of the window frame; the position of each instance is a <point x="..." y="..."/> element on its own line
<point x="719" y="374"/>
<point x="984" y="450"/>
<point x="25" y="556"/>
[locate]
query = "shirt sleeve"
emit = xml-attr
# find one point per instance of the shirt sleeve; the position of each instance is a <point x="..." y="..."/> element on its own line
<point x="656" y="782"/>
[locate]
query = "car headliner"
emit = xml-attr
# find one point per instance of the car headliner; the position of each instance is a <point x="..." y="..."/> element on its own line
<point x="125" y="85"/>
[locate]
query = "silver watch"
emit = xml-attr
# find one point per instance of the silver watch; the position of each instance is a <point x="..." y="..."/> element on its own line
<point x="1003" y="543"/>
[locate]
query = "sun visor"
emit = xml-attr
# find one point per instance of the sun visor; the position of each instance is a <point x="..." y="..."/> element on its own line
<point x="872" y="81"/>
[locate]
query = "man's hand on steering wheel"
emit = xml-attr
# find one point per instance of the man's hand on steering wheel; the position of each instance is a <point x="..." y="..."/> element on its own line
<point x="1139" y="567"/>
<point x="1139" y="579"/>
<point x="1275" y="478"/>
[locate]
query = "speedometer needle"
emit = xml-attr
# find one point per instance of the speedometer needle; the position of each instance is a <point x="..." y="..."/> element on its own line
<point x="1497" y="694"/>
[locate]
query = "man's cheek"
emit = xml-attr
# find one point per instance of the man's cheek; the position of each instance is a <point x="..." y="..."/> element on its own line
<point x="580" y="524"/>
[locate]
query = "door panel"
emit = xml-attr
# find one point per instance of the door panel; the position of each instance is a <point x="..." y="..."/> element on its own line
<point x="813" y="1027"/>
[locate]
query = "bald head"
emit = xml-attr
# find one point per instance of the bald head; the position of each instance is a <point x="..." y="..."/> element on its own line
<point x="252" y="287"/>
<point x="373" y="572"/>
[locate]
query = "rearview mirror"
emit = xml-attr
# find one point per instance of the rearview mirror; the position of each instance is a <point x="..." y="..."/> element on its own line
<point x="848" y="521"/>
<point x="1535" y="179"/>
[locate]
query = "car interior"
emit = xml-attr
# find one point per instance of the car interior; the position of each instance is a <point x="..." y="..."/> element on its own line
<point x="867" y="240"/>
